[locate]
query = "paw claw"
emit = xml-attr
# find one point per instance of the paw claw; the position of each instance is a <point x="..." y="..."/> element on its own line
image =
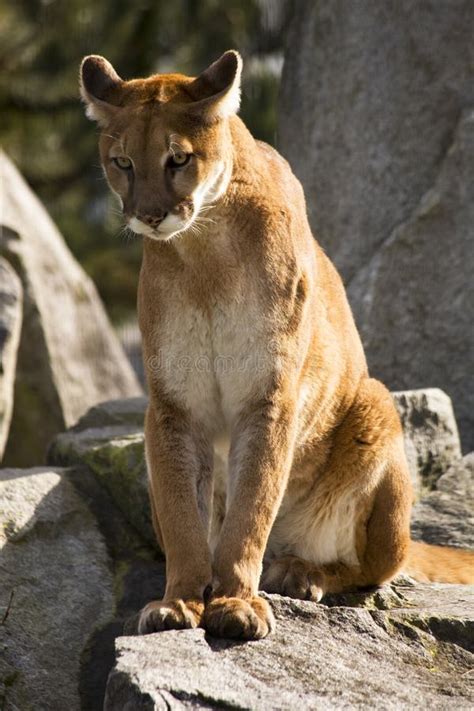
<point x="234" y="618"/>
<point x="161" y="615"/>
<point x="293" y="577"/>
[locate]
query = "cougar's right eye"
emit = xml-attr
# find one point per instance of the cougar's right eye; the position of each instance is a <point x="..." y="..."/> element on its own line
<point x="178" y="159"/>
<point x="122" y="162"/>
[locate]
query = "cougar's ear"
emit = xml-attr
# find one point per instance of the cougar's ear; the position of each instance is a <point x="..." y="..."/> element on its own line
<point x="100" y="88"/>
<point x="216" y="92"/>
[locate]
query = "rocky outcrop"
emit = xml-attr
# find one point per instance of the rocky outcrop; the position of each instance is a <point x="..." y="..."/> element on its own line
<point x="69" y="356"/>
<point x="10" y="324"/>
<point x="109" y="440"/>
<point x="56" y="588"/>
<point x="376" y="120"/>
<point x="430" y="433"/>
<point x="430" y="336"/>
<point x="394" y="652"/>
<point x="446" y="515"/>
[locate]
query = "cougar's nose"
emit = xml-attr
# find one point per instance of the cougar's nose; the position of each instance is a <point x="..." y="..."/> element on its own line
<point x="152" y="220"/>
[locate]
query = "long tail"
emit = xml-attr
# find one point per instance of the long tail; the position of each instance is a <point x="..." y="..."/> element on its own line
<point x="439" y="564"/>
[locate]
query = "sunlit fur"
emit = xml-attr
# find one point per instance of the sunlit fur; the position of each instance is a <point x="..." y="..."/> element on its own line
<point x="249" y="343"/>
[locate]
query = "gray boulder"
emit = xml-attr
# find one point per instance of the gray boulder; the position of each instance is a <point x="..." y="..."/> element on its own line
<point x="399" y="656"/>
<point x="446" y="516"/>
<point x="56" y="589"/>
<point x="109" y="441"/>
<point x="430" y="433"/>
<point x="69" y="356"/>
<point x="11" y="297"/>
<point x="375" y="119"/>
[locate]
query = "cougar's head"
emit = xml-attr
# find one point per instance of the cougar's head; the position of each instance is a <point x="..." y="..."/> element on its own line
<point x="165" y="142"/>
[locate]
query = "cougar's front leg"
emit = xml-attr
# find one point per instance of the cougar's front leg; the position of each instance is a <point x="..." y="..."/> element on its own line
<point x="259" y="463"/>
<point x="180" y="470"/>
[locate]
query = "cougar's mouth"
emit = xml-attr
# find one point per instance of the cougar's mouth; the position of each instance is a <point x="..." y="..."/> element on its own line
<point x="177" y="220"/>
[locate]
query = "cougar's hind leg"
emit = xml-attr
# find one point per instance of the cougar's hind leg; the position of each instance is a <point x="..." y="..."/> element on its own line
<point x="383" y="542"/>
<point x="293" y="577"/>
<point x="368" y="462"/>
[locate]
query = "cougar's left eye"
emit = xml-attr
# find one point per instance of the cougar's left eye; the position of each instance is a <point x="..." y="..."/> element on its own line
<point x="123" y="162"/>
<point x="179" y="159"/>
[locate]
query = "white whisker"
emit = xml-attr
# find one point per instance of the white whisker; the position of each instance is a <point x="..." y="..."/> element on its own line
<point x="126" y="234"/>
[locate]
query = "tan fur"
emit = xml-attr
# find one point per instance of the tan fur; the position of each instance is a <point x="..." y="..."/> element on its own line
<point x="439" y="564"/>
<point x="247" y="335"/>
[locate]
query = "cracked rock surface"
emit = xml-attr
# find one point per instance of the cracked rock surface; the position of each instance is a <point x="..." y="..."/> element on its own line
<point x="446" y="515"/>
<point x="376" y="120"/>
<point x="430" y="434"/>
<point x="55" y="589"/>
<point x="319" y="657"/>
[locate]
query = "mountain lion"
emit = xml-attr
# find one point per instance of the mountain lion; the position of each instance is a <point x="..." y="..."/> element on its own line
<point x="249" y="343"/>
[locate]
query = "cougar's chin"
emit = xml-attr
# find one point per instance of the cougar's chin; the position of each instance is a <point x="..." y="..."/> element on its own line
<point x="171" y="226"/>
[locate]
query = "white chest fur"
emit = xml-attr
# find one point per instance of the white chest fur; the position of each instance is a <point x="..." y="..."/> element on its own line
<point x="213" y="360"/>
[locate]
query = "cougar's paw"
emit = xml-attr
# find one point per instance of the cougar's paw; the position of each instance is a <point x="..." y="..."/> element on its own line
<point x="293" y="577"/>
<point x="238" y="619"/>
<point x="170" y="615"/>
